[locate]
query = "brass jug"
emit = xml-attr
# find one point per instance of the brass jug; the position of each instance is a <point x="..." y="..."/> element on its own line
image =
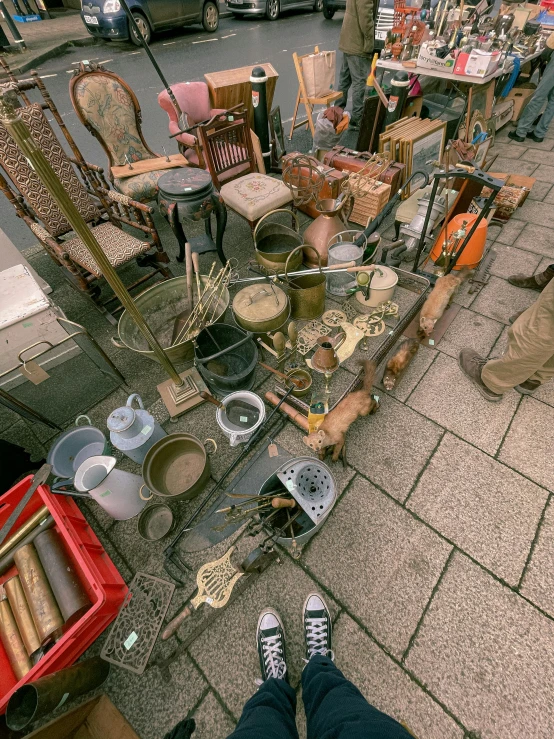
<point x="326" y="225"/>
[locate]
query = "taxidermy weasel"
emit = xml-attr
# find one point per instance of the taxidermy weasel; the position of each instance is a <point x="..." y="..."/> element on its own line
<point x="439" y="300"/>
<point x="397" y="364"/>
<point x="336" y="423"/>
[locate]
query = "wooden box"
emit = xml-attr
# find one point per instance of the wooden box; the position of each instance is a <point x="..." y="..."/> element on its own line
<point x="232" y="86"/>
<point x="367" y="207"/>
<point x="92" y="720"/>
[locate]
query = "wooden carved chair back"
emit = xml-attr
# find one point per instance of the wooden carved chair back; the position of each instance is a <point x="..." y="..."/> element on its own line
<point x="227" y="146"/>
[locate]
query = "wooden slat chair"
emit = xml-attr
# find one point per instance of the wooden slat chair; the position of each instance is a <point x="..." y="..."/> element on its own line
<point x="308" y="102"/>
<point x="104" y="209"/>
<point x="227" y="145"/>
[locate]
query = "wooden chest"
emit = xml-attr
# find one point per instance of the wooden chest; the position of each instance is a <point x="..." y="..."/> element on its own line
<point x="232" y="86"/>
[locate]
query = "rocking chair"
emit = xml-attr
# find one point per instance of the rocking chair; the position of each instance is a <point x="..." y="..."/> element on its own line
<point x="104" y="209"/>
<point x="109" y="109"/>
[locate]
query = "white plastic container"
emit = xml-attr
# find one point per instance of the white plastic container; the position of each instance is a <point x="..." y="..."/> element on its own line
<point x="236" y="434"/>
<point x="116" y="491"/>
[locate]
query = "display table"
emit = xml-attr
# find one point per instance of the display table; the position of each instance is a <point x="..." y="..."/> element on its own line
<point x="188" y="194"/>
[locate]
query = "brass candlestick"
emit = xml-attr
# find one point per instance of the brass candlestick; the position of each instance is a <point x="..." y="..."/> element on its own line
<point x="171" y="390"/>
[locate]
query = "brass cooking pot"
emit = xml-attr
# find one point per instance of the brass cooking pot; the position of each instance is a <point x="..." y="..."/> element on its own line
<point x="261" y="308"/>
<point x="306" y="292"/>
<point x="275" y="242"/>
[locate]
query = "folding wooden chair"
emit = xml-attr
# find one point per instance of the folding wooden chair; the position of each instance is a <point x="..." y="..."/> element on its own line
<point x="303" y="99"/>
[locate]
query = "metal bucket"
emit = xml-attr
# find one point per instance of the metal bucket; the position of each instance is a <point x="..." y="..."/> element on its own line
<point x="306" y="293"/>
<point x="236" y="434"/>
<point x="177" y="467"/>
<point x="159" y="305"/>
<point x="226" y="357"/>
<point x="72" y="447"/>
<point x="275" y="242"/>
<point x="343" y="249"/>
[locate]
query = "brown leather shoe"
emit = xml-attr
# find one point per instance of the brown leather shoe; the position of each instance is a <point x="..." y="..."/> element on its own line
<point x="515" y="316"/>
<point x="528" y="387"/>
<point x="471" y="365"/>
<point x="533" y="282"/>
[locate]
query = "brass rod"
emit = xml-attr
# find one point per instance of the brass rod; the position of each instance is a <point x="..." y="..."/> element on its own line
<point x="21" y="134"/>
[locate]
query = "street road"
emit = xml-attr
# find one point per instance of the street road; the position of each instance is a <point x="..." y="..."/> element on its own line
<point x="183" y="55"/>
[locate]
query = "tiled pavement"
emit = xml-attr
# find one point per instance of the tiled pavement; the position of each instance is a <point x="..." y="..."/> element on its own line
<point x="438" y="557"/>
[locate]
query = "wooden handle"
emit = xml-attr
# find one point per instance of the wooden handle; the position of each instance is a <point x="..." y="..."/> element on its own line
<point x="195" y="262"/>
<point x="297" y="383"/>
<point x="211" y="399"/>
<point x="174" y="624"/>
<point x="289" y="411"/>
<point x="293" y="333"/>
<point x="330" y="267"/>
<point x="188" y="265"/>
<point x="260" y="342"/>
<point x="279" y="341"/>
<point x="283" y="502"/>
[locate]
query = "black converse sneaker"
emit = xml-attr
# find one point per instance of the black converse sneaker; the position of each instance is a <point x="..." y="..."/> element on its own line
<point x="317" y="627"/>
<point x="270" y="637"/>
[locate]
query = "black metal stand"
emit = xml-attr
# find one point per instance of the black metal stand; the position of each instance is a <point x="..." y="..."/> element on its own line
<point x="258" y="80"/>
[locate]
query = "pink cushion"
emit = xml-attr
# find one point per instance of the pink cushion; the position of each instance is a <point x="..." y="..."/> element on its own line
<point x="194" y="100"/>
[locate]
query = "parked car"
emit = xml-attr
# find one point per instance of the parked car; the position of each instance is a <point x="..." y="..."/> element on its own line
<point x="271" y="8"/>
<point x="107" y="19"/>
<point x="384" y="15"/>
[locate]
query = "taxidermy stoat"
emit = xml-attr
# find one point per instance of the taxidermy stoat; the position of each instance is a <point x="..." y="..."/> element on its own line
<point x="396" y="366"/>
<point x="439" y="300"/>
<point x="336" y="423"/>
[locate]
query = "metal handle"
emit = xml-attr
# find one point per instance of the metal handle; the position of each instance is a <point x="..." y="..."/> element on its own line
<point x="32" y="346"/>
<point x="135" y="396"/>
<point x="214" y="443"/>
<point x="263" y="291"/>
<point x="272" y="212"/>
<point x="224" y="351"/>
<point x="87" y="419"/>
<point x="117" y="343"/>
<point x="303" y="246"/>
<point x="141" y="496"/>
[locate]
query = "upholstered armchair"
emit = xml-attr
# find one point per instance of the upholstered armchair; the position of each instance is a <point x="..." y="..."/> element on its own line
<point x="105" y="212"/>
<point x="194" y="100"/>
<point x="108" y="107"/>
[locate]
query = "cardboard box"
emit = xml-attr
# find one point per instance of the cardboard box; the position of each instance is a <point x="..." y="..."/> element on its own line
<point x="477" y="64"/>
<point x="96" y="719"/>
<point x="428" y="60"/>
<point x="521" y="96"/>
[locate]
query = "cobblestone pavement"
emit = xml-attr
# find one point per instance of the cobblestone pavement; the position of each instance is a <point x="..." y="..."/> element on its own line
<point x="438" y="556"/>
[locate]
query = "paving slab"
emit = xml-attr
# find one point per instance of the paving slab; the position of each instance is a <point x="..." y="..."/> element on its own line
<point x="538" y="580"/>
<point x="386" y="686"/>
<point x="540" y="154"/>
<point x="500" y="300"/>
<point x="519" y="165"/>
<point x="152" y="703"/>
<point x="540" y="190"/>
<point x="373" y="446"/>
<point x="545" y="393"/>
<point x="470" y="329"/>
<point x="393" y="563"/>
<point x="528" y="444"/>
<point x="510" y="261"/>
<point x="543" y="172"/>
<point x="510" y="231"/>
<point x="21" y="434"/>
<point x="486" y="509"/>
<point x="418" y="367"/>
<point x="499" y="349"/>
<point x="226" y="652"/>
<point x="508" y="150"/>
<point x="212" y="722"/>
<point x="487" y="655"/>
<point x="449" y="398"/>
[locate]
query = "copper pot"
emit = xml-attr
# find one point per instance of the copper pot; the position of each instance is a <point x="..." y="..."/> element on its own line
<point x="326" y="225"/>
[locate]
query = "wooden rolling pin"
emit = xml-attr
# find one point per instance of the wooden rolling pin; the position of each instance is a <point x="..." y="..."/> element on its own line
<point x="289" y="411"/>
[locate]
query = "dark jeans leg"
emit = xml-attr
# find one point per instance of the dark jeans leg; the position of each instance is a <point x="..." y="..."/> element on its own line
<point x="335" y="708"/>
<point x="269" y="714"/>
<point x="345" y="81"/>
<point x="360" y="67"/>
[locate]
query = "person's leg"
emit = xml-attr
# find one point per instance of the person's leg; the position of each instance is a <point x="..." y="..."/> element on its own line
<point x="533" y="282"/>
<point x="534" y="106"/>
<point x="530" y="347"/>
<point x="360" y="67"/>
<point x="270" y="713"/>
<point x="335" y="708"/>
<point x="345" y="81"/>
<point x="546" y="118"/>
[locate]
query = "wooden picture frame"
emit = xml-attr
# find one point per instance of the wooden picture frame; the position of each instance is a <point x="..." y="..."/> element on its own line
<point x="425" y="148"/>
<point x="482" y="151"/>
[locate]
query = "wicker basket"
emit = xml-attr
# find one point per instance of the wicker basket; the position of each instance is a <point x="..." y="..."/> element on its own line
<point x="368" y="206"/>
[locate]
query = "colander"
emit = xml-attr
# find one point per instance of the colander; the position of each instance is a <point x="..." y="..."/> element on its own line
<point x="311" y="484"/>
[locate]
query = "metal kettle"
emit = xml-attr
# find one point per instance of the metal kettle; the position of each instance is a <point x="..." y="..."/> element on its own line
<point x="133" y="430"/>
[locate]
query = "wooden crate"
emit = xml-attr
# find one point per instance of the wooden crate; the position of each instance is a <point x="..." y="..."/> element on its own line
<point x="232" y="86"/>
<point x="368" y="206"/>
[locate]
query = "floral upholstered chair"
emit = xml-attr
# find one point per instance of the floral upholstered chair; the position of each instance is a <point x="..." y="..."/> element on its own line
<point x="109" y="109"/>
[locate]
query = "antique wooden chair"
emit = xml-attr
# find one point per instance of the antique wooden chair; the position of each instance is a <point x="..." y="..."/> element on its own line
<point x="308" y="102"/>
<point x="227" y="146"/>
<point x="104" y="209"/>
<point x="108" y="107"/>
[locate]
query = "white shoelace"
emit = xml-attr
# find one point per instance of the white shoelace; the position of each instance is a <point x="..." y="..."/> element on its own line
<point x="272" y="648"/>
<point x="316" y="637"/>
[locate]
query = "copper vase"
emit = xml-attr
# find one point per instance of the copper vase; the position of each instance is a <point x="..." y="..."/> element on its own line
<point x="321" y="231"/>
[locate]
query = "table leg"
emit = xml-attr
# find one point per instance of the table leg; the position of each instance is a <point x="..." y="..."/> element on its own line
<point x="221" y="221"/>
<point x="177" y="228"/>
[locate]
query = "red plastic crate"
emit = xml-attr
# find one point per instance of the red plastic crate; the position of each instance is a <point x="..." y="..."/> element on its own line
<point x="104" y="585"/>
